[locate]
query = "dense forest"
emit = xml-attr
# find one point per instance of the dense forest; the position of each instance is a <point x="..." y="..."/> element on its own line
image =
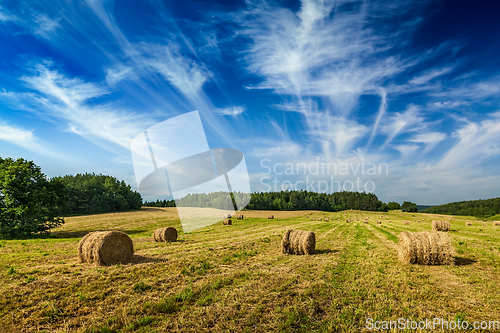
<point x="477" y="208"/>
<point x="32" y="203"/>
<point x="284" y="200"/>
<point x="92" y="194"/>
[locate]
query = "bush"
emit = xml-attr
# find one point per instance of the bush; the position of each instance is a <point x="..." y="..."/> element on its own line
<point x="29" y="202"/>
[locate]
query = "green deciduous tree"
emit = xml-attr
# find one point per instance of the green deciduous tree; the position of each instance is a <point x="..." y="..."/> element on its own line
<point x="408" y="206"/>
<point x="29" y="202"/>
<point x="92" y="194"/>
<point x="393" y="205"/>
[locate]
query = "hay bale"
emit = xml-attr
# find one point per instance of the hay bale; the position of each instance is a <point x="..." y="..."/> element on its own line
<point x="425" y="248"/>
<point x="496" y="223"/>
<point x="313" y="219"/>
<point x="366" y="222"/>
<point x="227" y="216"/>
<point x="441" y="225"/>
<point x="167" y="234"/>
<point x="227" y="222"/>
<point x="319" y="218"/>
<point x="485" y="223"/>
<point x="105" y="248"/>
<point x="380" y="222"/>
<point x="406" y="222"/>
<point x="298" y="242"/>
<point x="468" y="223"/>
<point x="327" y="219"/>
<point x="239" y="217"/>
<point x="270" y="217"/>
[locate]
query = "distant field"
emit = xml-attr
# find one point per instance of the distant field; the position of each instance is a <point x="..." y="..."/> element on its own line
<point x="235" y="279"/>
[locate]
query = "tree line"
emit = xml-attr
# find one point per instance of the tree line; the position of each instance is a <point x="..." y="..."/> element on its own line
<point x="478" y="208"/>
<point x="282" y="201"/>
<point x="31" y="203"/>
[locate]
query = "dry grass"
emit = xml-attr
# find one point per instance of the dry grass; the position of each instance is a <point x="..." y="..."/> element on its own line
<point x="235" y="279"/>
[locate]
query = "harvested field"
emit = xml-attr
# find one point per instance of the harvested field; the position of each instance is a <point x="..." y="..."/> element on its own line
<point x="236" y="279"/>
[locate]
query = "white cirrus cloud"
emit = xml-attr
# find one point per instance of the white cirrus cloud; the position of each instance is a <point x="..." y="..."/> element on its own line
<point x="430" y="140"/>
<point x="233" y="111"/>
<point x="24" y="138"/>
<point x="75" y="102"/>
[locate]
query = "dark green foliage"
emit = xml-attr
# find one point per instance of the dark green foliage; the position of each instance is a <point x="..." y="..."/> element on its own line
<point x="284" y="200"/>
<point x="92" y="194"/>
<point x="409" y="207"/>
<point x="29" y="202"/>
<point x="304" y="200"/>
<point x="393" y="205"/>
<point x="478" y="208"/>
<point x="160" y="203"/>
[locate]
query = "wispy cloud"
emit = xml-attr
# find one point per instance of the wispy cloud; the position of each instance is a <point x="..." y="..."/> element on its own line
<point x="5" y="16"/>
<point x="45" y="26"/>
<point x="398" y="123"/>
<point x="430" y="140"/>
<point x="68" y="99"/>
<point x="329" y="53"/>
<point x="476" y="143"/>
<point x="24" y="138"/>
<point x="405" y="150"/>
<point x="233" y="111"/>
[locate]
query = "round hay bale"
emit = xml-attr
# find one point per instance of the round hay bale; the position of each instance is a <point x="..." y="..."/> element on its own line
<point x="366" y="222"/>
<point x="313" y="219"/>
<point x="319" y="218"/>
<point x="227" y="222"/>
<point x="167" y="234"/>
<point x="270" y="217"/>
<point x="380" y="222"/>
<point x="485" y="223"/>
<point x="496" y="223"/>
<point x="441" y="225"/>
<point x="327" y="219"/>
<point x="468" y="223"/>
<point x="105" y="248"/>
<point x="406" y="223"/>
<point x="239" y="217"/>
<point x="298" y="242"/>
<point x="425" y="248"/>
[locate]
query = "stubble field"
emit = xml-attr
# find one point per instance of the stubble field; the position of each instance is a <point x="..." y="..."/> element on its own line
<point x="235" y="279"/>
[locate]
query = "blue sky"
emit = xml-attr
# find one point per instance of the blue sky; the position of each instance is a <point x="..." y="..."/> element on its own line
<point x="411" y="85"/>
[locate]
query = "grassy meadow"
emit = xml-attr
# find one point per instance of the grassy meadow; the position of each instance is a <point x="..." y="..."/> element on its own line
<point x="235" y="279"/>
